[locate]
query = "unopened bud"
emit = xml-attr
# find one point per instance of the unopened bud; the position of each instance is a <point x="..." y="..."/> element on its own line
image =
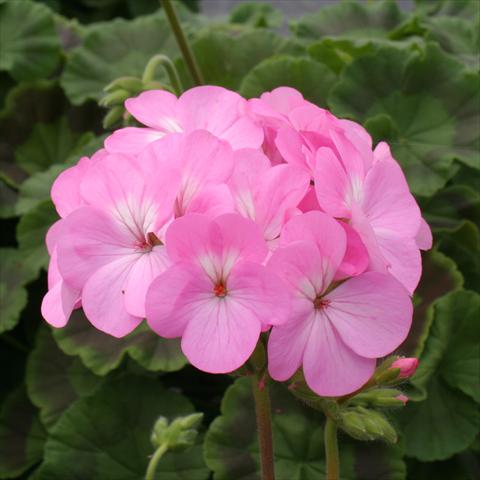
<point x="116" y="97"/>
<point x="179" y="434"/>
<point x="364" y="424"/>
<point x="113" y="116"/>
<point x="402" y="398"/>
<point x="380" y="397"/>
<point x="131" y="84"/>
<point x="407" y="366"/>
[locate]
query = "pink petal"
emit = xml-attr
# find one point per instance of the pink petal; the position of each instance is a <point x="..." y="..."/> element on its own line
<point x="65" y="189"/>
<point x="290" y="144"/>
<point x="388" y="202"/>
<point x="103" y="299"/>
<point x="283" y="99"/>
<point x="212" y="200"/>
<point x="173" y="297"/>
<point x="324" y="232"/>
<point x="404" y="259"/>
<point x="331" y="368"/>
<point x="286" y="343"/>
<point x="144" y="270"/>
<point x="53" y="234"/>
<point x="280" y="189"/>
<point x="90" y="239"/>
<point x="331" y="184"/>
<point x="301" y="265"/>
<point x="58" y="304"/>
<point x="221" y="335"/>
<point x="424" y="236"/>
<point x="220" y="112"/>
<point x="216" y="245"/>
<point x="156" y="109"/>
<point x="372" y="313"/>
<point x="260" y="291"/>
<point x="356" y="257"/>
<point x="131" y="140"/>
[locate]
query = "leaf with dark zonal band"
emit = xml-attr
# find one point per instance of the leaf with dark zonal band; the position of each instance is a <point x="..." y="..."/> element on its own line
<point x="102" y="353"/>
<point x="428" y="124"/>
<point x="55" y="380"/>
<point x="107" y="435"/>
<point x="231" y="447"/>
<point x="21" y="435"/>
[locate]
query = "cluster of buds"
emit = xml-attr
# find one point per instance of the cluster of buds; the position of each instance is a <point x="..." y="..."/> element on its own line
<point x="356" y="414"/>
<point x="179" y="434"/>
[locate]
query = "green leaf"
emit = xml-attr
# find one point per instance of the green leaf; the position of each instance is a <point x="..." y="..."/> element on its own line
<point x="456" y="36"/>
<point x="449" y="419"/>
<point x="428" y="124"/>
<point x="102" y="353"/>
<point x="440" y="276"/>
<point x="235" y="54"/>
<point x="36" y="189"/>
<point x="22" y="436"/>
<point x="49" y="144"/>
<point x="231" y="446"/>
<point x="462" y="8"/>
<point x="14" y="275"/>
<point x="361" y="22"/>
<point x="31" y="231"/>
<point x="114" y="49"/>
<point x="311" y="78"/>
<point x="55" y="380"/>
<point x="107" y="435"/>
<point x="257" y="14"/>
<point x="442" y="425"/>
<point x="378" y="461"/>
<point x="29" y="45"/>
<point x="447" y="208"/>
<point x="8" y="199"/>
<point x="463" y="244"/>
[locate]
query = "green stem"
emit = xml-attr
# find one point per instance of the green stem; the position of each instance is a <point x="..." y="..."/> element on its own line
<point x="182" y="42"/>
<point x="152" y="466"/>
<point x="331" y="450"/>
<point x="264" y="426"/>
<point x="167" y="64"/>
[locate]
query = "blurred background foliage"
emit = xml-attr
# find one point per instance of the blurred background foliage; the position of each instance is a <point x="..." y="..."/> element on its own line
<point x="76" y="403"/>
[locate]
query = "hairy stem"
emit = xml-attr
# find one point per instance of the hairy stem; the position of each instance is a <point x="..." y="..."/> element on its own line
<point x="264" y="426"/>
<point x="331" y="450"/>
<point x="152" y="466"/>
<point x="167" y="64"/>
<point x="183" y="45"/>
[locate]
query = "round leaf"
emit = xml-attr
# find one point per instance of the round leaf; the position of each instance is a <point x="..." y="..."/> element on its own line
<point x="102" y="353"/>
<point x="107" y="435"/>
<point x="29" y="45"/>
<point x="311" y="78"/>
<point x="231" y="446"/>
<point x="55" y="380"/>
<point x="22" y="436"/>
<point x="428" y="123"/>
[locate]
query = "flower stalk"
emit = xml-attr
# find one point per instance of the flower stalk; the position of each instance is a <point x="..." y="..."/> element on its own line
<point x="183" y="45"/>
<point x="264" y="426"/>
<point x="167" y="64"/>
<point x="152" y="465"/>
<point x="331" y="450"/>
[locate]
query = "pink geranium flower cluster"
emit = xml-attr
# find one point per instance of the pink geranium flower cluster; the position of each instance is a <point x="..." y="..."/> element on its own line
<point x="224" y="218"/>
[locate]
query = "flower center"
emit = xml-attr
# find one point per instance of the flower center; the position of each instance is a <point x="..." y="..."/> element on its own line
<point x="320" y="303"/>
<point x="148" y="243"/>
<point x="220" y="290"/>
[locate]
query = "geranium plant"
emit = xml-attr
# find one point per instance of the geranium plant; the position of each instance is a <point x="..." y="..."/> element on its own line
<point x="268" y="229"/>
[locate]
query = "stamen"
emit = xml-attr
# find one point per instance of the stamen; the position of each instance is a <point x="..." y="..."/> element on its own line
<point x="153" y="240"/>
<point x="220" y="290"/>
<point x="320" y="303"/>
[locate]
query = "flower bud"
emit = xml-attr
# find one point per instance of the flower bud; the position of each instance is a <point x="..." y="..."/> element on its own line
<point x="407" y="366"/>
<point x="364" y="424"/>
<point x="402" y="398"/>
<point x="380" y="397"/>
<point x="179" y="434"/>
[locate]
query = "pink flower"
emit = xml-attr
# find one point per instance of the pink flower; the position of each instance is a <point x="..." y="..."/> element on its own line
<point x="379" y="205"/>
<point x="407" y="366"/>
<point x="215" y="109"/>
<point x="217" y="295"/>
<point x="108" y="249"/>
<point x="336" y="331"/>
<point x="266" y="194"/>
